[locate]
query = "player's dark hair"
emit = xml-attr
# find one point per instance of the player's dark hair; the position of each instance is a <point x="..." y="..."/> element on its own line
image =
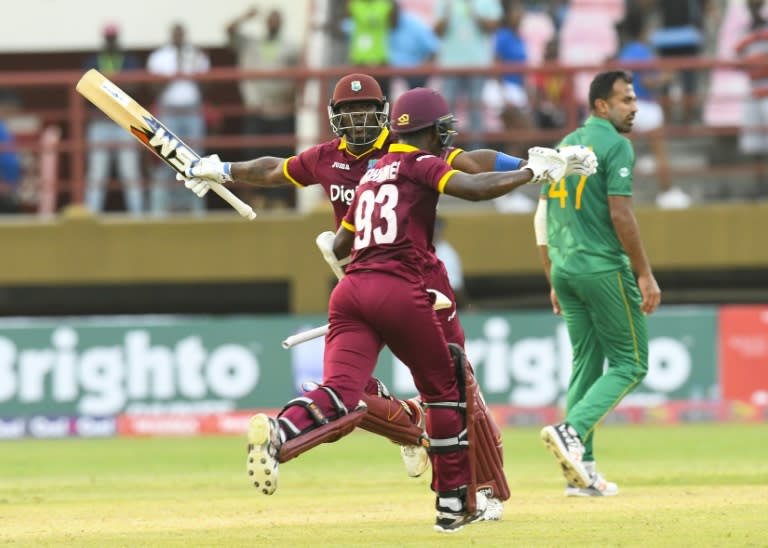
<point x="602" y="85"/>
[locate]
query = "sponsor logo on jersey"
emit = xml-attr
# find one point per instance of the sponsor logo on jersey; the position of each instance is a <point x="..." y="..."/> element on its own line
<point x="624" y="172"/>
<point x="339" y="193"/>
<point x="340" y="165"/>
<point x="372" y="163"/>
<point x="424" y="157"/>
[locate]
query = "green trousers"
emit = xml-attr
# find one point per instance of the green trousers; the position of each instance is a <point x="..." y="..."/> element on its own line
<point x="604" y="321"/>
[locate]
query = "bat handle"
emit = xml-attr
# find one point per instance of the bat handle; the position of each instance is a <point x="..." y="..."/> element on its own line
<point x="305" y="336"/>
<point x="240" y="206"/>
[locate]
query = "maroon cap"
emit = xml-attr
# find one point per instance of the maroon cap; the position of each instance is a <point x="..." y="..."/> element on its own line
<point x="417" y="109"/>
<point x="355" y="88"/>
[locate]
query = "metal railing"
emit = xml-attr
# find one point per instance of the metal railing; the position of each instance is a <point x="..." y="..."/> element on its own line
<point x="70" y="150"/>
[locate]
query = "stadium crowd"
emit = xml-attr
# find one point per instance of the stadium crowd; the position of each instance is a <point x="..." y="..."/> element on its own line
<point x="435" y="42"/>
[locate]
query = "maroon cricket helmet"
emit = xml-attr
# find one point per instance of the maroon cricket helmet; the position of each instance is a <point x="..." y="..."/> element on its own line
<point x="421" y="108"/>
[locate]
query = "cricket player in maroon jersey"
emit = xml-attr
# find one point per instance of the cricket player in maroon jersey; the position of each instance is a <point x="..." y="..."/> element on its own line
<point x="382" y="299"/>
<point x="358" y="114"/>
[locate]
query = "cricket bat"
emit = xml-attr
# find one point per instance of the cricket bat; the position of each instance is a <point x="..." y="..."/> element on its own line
<point x="132" y="117"/>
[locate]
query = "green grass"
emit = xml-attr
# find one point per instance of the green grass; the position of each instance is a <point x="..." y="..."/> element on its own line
<point x="694" y="485"/>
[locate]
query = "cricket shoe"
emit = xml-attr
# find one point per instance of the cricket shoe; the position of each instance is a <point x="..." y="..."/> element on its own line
<point x="600" y="486"/>
<point x="564" y="443"/>
<point x="415" y="459"/>
<point x="449" y="520"/>
<point x="494" y="507"/>
<point x="263" y="446"/>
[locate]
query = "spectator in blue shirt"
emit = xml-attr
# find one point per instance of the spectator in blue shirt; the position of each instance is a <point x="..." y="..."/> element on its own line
<point x="649" y="119"/>
<point x="10" y="164"/>
<point x="412" y="43"/>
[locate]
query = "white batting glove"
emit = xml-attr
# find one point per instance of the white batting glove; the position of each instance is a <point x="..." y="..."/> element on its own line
<point x="580" y="159"/>
<point x="195" y="184"/>
<point x="546" y="164"/>
<point x="212" y="168"/>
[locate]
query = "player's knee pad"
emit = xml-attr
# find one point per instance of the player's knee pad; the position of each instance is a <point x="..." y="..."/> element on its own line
<point x="485" y="443"/>
<point x="325" y="429"/>
<point x="486" y="448"/>
<point x="399" y="421"/>
<point x="460" y="441"/>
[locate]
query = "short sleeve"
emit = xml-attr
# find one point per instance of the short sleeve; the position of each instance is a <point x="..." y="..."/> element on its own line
<point x="299" y="169"/>
<point x="432" y="171"/>
<point x="619" y="164"/>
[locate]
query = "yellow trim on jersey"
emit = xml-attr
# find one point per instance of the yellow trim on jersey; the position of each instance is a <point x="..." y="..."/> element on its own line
<point x="288" y="175"/>
<point x="348" y="226"/>
<point x="452" y="156"/>
<point x="402" y="147"/>
<point x="444" y="179"/>
<point x="377" y="144"/>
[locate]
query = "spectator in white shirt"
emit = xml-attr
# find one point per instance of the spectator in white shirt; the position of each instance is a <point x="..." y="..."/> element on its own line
<point x="180" y="107"/>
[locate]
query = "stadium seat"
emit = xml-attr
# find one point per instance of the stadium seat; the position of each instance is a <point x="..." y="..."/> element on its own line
<point x="537" y="30"/>
<point x="581" y="47"/>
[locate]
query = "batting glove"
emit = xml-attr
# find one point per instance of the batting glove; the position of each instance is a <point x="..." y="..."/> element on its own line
<point x="212" y="168"/>
<point x="546" y="164"/>
<point x="580" y="160"/>
<point x="195" y="184"/>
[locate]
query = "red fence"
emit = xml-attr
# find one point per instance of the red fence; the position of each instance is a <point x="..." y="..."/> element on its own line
<point x="58" y="165"/>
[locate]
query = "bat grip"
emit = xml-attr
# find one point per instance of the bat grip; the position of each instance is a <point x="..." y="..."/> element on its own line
<point x="240" y="206"/>
<point x="305" y="336"/>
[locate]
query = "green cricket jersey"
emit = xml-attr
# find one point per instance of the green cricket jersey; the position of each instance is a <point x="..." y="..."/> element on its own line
<point x="581" y="236"/>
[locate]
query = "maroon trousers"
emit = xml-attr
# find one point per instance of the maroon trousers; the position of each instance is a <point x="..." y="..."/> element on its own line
<point x="369" y="309"/>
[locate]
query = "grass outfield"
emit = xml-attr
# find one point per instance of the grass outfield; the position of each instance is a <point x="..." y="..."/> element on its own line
<point x="693" y="485"/>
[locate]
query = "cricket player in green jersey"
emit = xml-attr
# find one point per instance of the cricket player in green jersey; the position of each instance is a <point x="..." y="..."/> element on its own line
<point x="590" y="245"/>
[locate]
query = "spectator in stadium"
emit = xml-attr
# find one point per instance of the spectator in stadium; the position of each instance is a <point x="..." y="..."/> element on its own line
<point x="180" y="107"/>
<point x="649" y="119"/>
<point x="753" y="48"/>
<point x="271" y="102"/>
<point x="369" y="23"/>
<point x="681" y="35"/>
<point x="10" y="163"/>
<point x="510" y="48"/>
<point x="381" y="300"/>
<point x="590" y="245"/>
<point x="412" y="43"/>
<point x="551" y="91"/>
<point x="102" y="135"/>
<point x="466" y="29"/>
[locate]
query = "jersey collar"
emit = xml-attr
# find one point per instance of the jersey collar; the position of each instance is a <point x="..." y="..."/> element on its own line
<point x="377" y="144"/>
<point x="402" y="147"/>
<point x="597" y="121"/>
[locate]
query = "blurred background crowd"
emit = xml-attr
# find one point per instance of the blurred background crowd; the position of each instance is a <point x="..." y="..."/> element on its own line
<point x="515" y="73"/>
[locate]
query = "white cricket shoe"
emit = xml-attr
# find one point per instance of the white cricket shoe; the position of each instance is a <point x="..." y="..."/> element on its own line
<point x="263" y="445"/>
<point x="564" y="443"/>
<point x="415" y="459"/>
<point x="600" y="486"/>
<point x="494" y="507"/>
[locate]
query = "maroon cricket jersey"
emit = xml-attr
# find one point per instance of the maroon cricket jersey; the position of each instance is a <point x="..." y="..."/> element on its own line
<point x="336" y="169"/>
<point x="333" y="166"/>
<point x="393" y="212"/>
